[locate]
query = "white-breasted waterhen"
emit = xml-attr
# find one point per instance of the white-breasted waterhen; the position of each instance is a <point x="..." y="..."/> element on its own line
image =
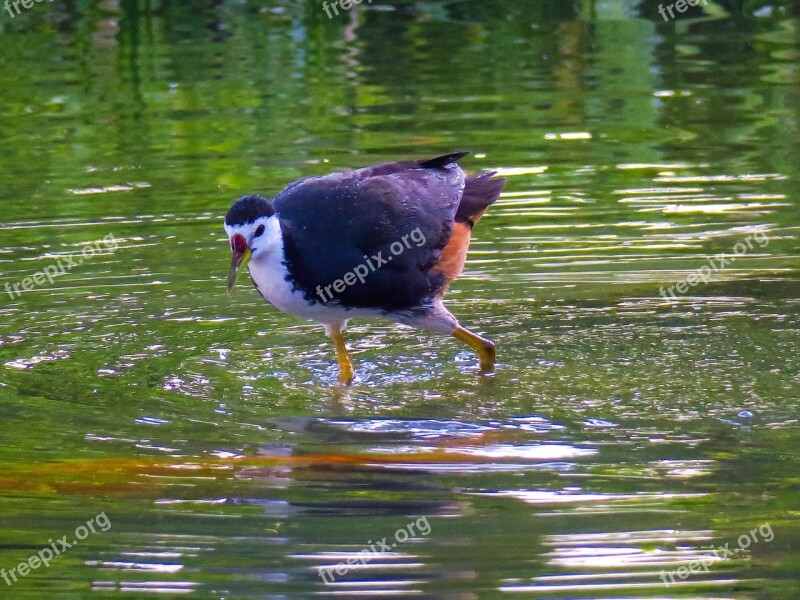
<point x="382" y="242"/>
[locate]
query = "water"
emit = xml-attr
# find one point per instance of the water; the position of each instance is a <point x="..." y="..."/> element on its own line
<point x="624" y="436"/>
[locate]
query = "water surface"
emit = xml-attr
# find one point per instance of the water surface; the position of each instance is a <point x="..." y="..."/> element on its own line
<point x="626" y="433"/>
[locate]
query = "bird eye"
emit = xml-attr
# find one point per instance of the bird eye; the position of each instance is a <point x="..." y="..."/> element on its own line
<point x="259" y="230"/>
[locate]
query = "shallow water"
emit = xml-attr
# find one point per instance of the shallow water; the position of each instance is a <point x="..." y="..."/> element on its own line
<point x="625" y="435"/>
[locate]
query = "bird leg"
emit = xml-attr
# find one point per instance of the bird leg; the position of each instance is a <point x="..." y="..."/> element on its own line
<point x="483" y="347"/>
<point x="346" y="371"/>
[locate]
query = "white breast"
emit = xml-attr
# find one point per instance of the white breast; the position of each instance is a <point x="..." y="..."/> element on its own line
<point x="269" y="272"/>
<point x="270" y="276"/>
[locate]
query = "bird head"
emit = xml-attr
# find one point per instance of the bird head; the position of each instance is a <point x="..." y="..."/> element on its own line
<point x="252" y="228"/>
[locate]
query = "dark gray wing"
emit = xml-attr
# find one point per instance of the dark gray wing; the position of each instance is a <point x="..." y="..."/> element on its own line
<point x="394" y="219"/>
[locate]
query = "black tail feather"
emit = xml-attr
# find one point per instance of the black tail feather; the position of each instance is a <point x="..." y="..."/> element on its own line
<point x="480" y="192"/>
<point x="442" y="161"/>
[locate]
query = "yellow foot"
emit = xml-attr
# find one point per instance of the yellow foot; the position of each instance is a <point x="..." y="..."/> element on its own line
<point x="346" y="371"/>
<point x="484" y="348"/>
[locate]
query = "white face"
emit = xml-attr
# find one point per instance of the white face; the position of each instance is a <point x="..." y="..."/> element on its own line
<point x="262" y="236"/>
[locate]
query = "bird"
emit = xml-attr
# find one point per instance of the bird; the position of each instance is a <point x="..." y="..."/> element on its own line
<point x="383" y="241"/>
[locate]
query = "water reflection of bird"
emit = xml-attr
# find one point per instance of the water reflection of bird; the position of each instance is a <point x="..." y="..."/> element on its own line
<point x="383" y="241"/>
